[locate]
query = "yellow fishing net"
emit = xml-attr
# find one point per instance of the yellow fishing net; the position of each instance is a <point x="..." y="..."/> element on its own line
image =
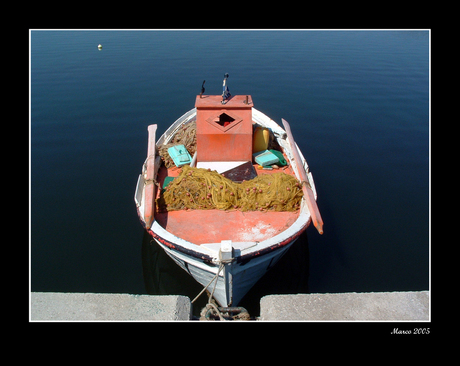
<point x="197" y="188"/>
<point x="186" y="135"/>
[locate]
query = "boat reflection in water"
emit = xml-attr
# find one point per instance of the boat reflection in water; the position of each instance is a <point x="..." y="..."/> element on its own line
<point x="162" y="276"/>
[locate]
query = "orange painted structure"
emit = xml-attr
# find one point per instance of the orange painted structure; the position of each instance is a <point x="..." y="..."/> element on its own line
<point x="224" y="131"/>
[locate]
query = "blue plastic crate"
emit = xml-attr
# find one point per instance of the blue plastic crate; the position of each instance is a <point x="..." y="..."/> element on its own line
<point x="180" y="155"/>
<point x="265" y="158"/>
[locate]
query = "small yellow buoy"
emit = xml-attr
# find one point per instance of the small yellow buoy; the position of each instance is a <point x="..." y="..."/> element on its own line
<point x="99" y="47"/>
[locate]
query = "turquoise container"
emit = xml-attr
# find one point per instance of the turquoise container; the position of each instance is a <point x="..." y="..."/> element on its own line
<point x="265" y="158"/>
<point x="180" y="155"/>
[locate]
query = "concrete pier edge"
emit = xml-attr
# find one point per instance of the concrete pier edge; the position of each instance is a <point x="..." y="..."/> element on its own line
<point x="351" y="306"/>
<point x="370" y="306"/>
<point x="51" y="306"/>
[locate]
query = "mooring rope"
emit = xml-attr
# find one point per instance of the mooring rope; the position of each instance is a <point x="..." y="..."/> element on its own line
<point x="144" y="172"/>
<point x="221" y="266"/>
<point x="216" y="309"/>
<point x="222" y="263"/>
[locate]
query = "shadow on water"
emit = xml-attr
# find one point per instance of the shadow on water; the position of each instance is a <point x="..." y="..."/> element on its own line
<point x="162" y="276"/>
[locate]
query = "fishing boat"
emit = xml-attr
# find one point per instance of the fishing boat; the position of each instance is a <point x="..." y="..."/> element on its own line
<point x="227" y="249"/>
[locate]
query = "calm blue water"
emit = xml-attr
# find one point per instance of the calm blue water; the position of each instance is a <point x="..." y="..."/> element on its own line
<point x="358" y="104"/>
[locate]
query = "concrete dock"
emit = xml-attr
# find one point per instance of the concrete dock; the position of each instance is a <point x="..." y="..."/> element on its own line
<point x="99" y="307"/>
<point x="373" y="306"/>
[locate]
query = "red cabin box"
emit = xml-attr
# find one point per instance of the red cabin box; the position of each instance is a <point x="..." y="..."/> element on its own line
<point x="224" y="131"/>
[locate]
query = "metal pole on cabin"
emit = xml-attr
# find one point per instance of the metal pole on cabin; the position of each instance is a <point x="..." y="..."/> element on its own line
<point x="202" y="89"/>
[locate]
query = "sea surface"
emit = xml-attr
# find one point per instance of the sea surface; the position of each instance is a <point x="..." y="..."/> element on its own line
<point x="359" y="106"/>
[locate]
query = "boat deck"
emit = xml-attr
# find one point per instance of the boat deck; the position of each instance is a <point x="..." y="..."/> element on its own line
<point x="213" y="226"/>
